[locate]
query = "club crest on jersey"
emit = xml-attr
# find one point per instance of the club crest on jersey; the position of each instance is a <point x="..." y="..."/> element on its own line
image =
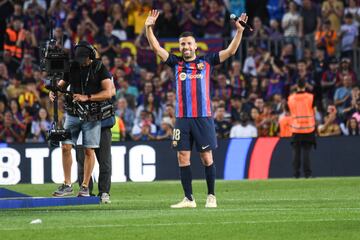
<point x="182" y="76"/>
<point x="174" y="143"/>
<point x="200" y="66"/>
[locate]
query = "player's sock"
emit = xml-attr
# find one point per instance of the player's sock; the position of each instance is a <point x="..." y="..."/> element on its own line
<point x="210" y="173"/>
<point x="186" y="178"/>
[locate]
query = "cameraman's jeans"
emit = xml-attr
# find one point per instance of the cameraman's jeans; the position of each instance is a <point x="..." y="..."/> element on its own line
<point x="91" y="131"/>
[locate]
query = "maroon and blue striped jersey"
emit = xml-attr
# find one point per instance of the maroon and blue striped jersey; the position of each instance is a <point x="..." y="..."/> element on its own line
<point x="192" y="84"/>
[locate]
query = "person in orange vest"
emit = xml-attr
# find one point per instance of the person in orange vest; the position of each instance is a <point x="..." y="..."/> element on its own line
<point x="301" y="105"/>
<point x="14" y="33"/>
<point x="285" y="123"/>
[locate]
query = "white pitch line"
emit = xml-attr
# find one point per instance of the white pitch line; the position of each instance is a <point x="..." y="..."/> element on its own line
<point x="179" y="224"/>
<point x="168" y="210"/>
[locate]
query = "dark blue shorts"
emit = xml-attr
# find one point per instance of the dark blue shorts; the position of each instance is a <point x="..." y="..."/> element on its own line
<point x="200" y="130"/>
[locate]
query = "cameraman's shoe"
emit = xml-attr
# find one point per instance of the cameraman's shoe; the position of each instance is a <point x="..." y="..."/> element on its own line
<point x="63" y="190"/>
<point x="84" y="192"/>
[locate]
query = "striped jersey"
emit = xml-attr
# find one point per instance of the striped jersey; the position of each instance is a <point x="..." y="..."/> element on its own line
<point x="192" y="84"/>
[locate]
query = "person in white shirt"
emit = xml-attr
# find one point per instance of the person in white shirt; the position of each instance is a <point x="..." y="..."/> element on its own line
<point x="244" y="129"/>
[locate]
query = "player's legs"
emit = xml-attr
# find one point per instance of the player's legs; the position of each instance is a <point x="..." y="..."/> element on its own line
<point x="203" y="130"/>
<point x="182" y="142"/>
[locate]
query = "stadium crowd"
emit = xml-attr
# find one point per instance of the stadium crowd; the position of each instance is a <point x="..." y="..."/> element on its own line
<point x="248" y="95"/>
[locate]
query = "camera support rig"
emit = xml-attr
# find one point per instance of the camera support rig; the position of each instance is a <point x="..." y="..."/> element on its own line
<point x="55" y="62"/>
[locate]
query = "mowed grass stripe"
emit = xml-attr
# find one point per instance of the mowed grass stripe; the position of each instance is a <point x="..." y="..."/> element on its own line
<point x="322" y="208"/>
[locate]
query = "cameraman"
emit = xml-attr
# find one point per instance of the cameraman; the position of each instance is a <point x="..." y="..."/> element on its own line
<point x="89" y="82"/>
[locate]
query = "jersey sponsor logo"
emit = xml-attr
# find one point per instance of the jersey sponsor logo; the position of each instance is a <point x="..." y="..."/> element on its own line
<point x="183" y="76"/>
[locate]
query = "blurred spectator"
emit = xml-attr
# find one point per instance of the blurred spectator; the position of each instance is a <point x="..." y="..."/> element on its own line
<point x="274" y="31"/>
<point x="128" y="91"/>
<point x="330" y="126"/>
<point x="354" y="10"/>
<point x="275" y="9"/>
<point x="189" y="18"/>
<point x="222" y="90"/>
<point x="11" y="62"/>
<point x="118" y="20"/>
<point x="342" y="95"/>
<point x="351" y="106"/>
<point x="302" y="73"/>
<point x="167" y="25"/>
<point x="3" y="107"/>
<point x="99" y="13"/>
<point x="333" y="10"/>
<point x="27" y="68"/>
<point x="222" y="125"/>
<point x="345" y="70"/>
<point x="145" y="56"/>
<point x="109" y="44"/>
<point x="351" y="128"/>
<point x="327" y="38"/>
<point x="58" y="10"/>
<point x="166" y="129"/>
<point x="213" y="20"/>
<point x="237" y="79"/>
<point x="265" y="122"/>
<point x="144" y="129"/>
<point x="17" y="114"/>
<point x="34" y="21"/>
<point x="236" y="108"/>
<point x="260" y="32"/>
<point x="14" y="89"/>
<point x="126" y="114"/>
<point x="328" y="82"/>
<point x="10" y="132"/>
<point x="243" y="129"/>
<point x="30" y="97"/>
<point x="310" y="20"/>
<point x="249" y="64"/>
<point x="150" y="105"/>
<point x="356" y="114"/>
<point x="140" y="14"/>
<point x="39" y="127"/>
<point x="291" y="22"/>
<point x="285" y="123"/>
<point x="348" y="33"/>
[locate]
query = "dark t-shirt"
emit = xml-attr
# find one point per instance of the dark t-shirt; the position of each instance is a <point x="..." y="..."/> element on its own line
<point x="86" y="80"/>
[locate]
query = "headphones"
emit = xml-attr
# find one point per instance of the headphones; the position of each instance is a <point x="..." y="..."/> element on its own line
<point x="87" y="45"/>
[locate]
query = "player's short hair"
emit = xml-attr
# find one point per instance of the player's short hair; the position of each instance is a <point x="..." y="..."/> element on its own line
<point x="187" y="34"/>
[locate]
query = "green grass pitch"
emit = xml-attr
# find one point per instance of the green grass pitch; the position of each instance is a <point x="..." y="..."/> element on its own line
<point x="319" y="208"/>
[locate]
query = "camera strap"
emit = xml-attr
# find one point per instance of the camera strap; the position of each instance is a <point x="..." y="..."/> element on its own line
<point x="84" y="85"/>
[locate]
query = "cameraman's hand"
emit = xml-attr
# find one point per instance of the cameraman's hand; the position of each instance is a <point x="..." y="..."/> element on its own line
<point x="52" y="96"/>
<point x="80" y="98"/>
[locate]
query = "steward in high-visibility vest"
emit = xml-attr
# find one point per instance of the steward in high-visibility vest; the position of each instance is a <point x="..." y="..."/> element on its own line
<point x="12" y="36"/>
<point x="302" y="112"/>
<point x="301" y="106"/>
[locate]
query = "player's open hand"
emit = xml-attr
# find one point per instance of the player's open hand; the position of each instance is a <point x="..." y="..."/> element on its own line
<point x="242" y="18"/>
<point x="151" y="19"/>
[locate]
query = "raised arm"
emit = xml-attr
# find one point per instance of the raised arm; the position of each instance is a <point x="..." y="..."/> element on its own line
<point x="154" y="43"/>
<point x="233" y="46"/>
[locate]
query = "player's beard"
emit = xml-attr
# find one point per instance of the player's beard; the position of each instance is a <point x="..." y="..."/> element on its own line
<point x="188" y="56"/>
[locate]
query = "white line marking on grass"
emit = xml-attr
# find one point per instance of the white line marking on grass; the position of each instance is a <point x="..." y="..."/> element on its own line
<point x="180" y="224"/>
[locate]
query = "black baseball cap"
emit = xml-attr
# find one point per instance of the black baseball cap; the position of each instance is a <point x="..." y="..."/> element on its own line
<point x="81" y="54"/>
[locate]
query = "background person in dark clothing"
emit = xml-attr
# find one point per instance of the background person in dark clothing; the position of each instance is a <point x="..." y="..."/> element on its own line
<point x="301" y="105"/>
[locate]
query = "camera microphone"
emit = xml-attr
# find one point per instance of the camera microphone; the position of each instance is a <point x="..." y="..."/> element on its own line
<point x="244" y="24"/>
